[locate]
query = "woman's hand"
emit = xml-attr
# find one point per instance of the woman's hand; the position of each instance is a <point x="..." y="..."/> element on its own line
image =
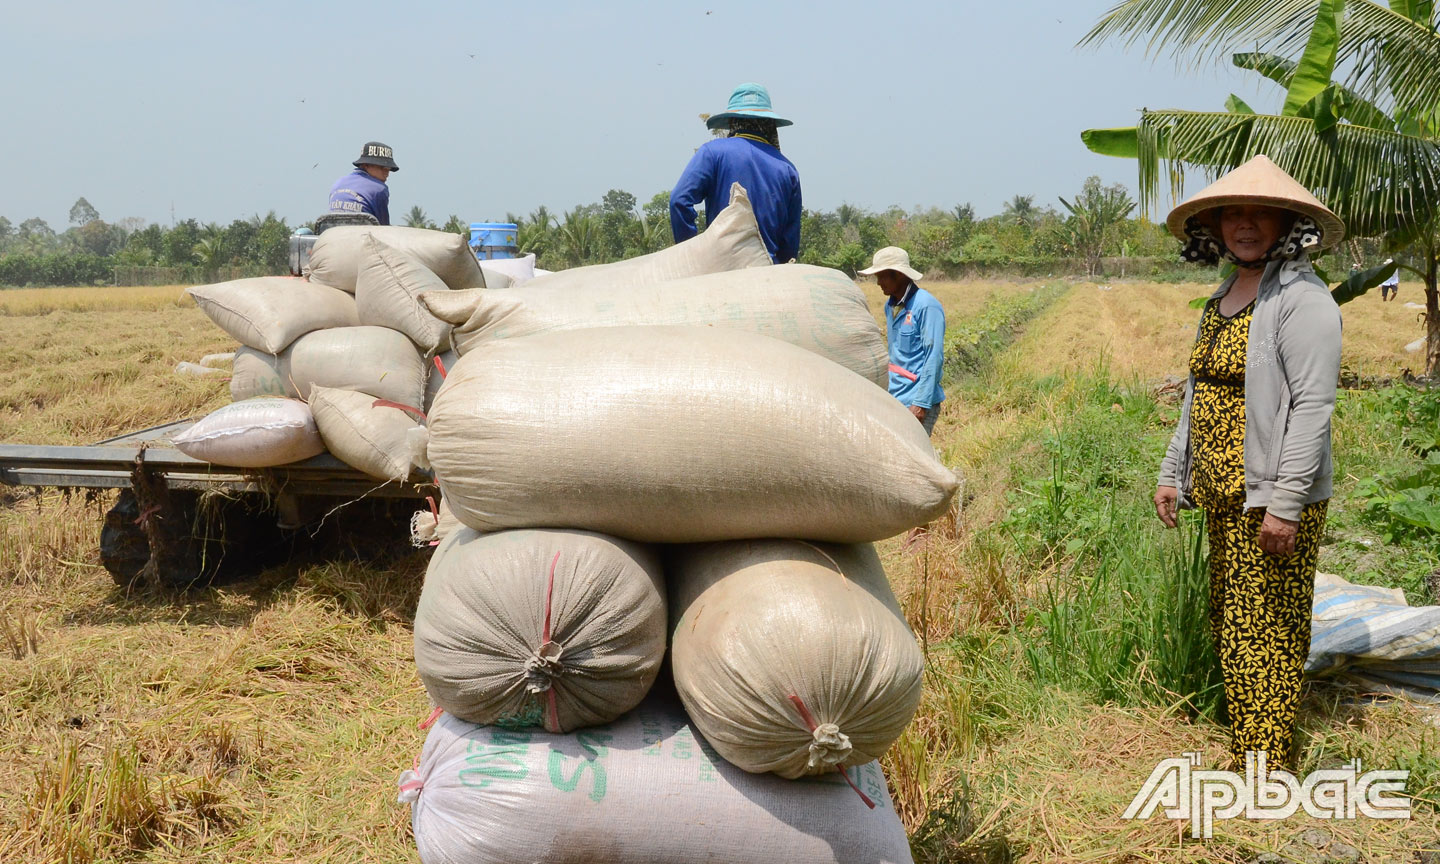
<point x="1166" y="499"/>
<point x="1277" y="536"/>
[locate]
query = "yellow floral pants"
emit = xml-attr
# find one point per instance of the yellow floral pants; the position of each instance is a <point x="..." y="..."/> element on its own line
<point x="1260" y="617"/>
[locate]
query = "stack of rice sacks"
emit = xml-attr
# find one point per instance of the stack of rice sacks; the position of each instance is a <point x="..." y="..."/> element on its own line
<point x="689" y="450"/>
<point x="343" y="360"/>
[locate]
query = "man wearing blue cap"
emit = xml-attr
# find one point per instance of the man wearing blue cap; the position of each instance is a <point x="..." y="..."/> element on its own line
<point x="751" y="156"/>
<point x="363" y="190"/>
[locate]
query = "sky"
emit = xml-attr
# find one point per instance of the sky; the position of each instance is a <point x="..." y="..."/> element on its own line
<point x="217" y="111"/>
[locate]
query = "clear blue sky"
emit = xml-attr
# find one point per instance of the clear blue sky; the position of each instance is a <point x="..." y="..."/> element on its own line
<point x="228" y="109"/>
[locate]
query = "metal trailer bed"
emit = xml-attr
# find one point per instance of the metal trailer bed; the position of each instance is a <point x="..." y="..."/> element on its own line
<point x="159" y="533"/>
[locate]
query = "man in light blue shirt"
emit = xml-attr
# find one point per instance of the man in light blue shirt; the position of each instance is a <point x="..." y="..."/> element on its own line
<point x="915" y="331"/>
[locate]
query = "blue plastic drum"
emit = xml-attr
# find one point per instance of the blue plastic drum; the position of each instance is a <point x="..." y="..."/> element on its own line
<point x="493" y="239"/>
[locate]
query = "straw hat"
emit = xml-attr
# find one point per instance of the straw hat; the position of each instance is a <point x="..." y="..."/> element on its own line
<point x="892" y="258"/>
<point x="1259" y="181"/>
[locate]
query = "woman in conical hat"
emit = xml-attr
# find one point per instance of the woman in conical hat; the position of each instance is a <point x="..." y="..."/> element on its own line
<point x="1252" y="447"/>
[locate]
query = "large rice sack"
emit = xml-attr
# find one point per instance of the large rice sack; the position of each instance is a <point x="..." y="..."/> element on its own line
<point x="818" y="309"/>
<point x="256" y="433"/>
<point x="514" y="271"/>
<point x="335" y="260"/>
<point x="435" y="375"/>
<point x="257" y="373"/>
<point x="560" y="629"/>
<point x="731" y="242"/>
<point x="677" y="434"/>
<point x="368" y="437"/>
<point x="791" y="657"/>
<point x="270" y="312"/>
<point x="374" y="360"/>
<point x="387" y="289"/>
<point x="646" y="788"/>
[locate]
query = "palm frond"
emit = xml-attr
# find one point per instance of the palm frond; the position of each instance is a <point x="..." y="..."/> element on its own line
<point x="1392" y="60"/>
<point x="1377" y="181"/>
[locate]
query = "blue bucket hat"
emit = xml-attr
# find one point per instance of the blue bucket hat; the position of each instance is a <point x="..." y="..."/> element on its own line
<point x="748" y="100"/>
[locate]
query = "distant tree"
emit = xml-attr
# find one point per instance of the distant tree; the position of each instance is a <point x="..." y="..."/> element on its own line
<point x="964" y="212"/>
<point x="178" y="248"/>
<point x="577" y="234"/>
<point x="618" y="201"/>
<point x="97" y="237"/>
<point x="456" y="225"/>
<point x="131" y="224"/>
<point x="416" y="218"/>
<point x="35" y="235"/>
<point x="657" y="209"/>
<point x="82" y="213"/>
<point x="7" y="231"/>
<point x="1095" y="218"/>
<point x="1020" y="210"/>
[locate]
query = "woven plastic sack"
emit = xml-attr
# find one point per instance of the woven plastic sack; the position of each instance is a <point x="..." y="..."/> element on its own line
<point x="646" y="788"/>
<point x="792" y="657"/>
<point x="368" y="437"/>
<point x="256" y="433"/>
<point x="270" y="312"/>
<point x="374" y="360"/>
<point x="731" y="242"/>
<point x="387" y="289"/>
<point x="818" y="309"/>
<point x="435" y="378"/>
<point x="678" y="434"/>
<point x="335" y="260"/>
<point x="560" y="629"/>
<point x="428" y="527"/>
<point x="257" y="373"/>
<point x="514" y="271"/>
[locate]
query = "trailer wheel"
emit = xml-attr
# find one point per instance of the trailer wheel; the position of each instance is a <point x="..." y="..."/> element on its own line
<point x="123" y="547"/>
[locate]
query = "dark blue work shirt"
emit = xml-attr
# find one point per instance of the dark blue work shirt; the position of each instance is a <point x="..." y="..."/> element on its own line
<point x="769" y="178"/>
<point x="358" y="192"/>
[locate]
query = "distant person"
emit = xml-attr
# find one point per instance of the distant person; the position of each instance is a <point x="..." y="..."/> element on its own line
<point x="751" y="156"/>
<point x="1390" y="288"/>
<point x="363" y="190"/>
<point x="915" y="330"/>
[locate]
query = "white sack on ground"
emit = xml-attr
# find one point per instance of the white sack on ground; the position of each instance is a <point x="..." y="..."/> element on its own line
<point x="731" y="242"/>
<point x="818" y="309"/>
<point x="218" y="361"/>
<point x="386" y="294"/>
<point x="516" y="271"/>
<point x="434" y="378"/>
<point x="374" y="360"/>
<point x="365" y="436"/>
<point x="256" y="433"/>
<point x="257" y="373"/>
<point x="336" y="258"/>
<point x="646" y="788"/>
<point x="481" y="645"/>
<point x="765" y="627"/>
<point x="676" y="434"/>
<point x="270" y="312"/>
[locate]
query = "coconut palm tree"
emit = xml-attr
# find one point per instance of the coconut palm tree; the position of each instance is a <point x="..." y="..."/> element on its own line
<point x="1368" y="145"/>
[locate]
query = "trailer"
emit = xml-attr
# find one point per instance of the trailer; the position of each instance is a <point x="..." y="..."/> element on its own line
<point x="179" y="521"/>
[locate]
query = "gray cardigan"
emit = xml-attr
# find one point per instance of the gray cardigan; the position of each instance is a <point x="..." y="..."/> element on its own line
<point x="1292" y="367"/>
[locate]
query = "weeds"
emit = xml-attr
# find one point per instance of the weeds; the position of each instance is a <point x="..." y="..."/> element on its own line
<point x="22" y="635"/>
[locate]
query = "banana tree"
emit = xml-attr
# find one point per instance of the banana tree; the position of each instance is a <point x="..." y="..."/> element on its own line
<point x="1369" y="145"/>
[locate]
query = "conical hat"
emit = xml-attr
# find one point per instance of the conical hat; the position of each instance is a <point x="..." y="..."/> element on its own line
<point x="1259" y="181"/>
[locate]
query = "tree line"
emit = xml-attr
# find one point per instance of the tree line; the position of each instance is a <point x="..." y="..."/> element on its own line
<point x="1096" y="224"/>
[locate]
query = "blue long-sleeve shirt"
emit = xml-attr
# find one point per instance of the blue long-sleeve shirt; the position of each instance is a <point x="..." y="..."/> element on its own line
<point x="358" y="192"/>
<point x="915" y="331"/>
<point x="765" y="173"/>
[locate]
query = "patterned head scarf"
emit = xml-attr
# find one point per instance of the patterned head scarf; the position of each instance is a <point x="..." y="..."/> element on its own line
<point x="1204" y="247"/>
<point x="757" y="128"/>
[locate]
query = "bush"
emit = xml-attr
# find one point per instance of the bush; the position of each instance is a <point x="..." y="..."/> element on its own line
<point x="55" y="269"/>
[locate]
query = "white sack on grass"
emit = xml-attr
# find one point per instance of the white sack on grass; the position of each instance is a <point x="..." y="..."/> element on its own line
<point x="731" y="242"/>
<point x="367" y="437"/>
<point x="759" y="624"/>
<point x="646" y="788"/>
<point x="195" y="370"/>
<point x="517" y="271"/>
<point x="677" y="434"/>
<point x="818" y="309"/>
<point x="218" y="361"/>
<point x="434" y="378"/>
<point x="386" y="291"/>
<point x="270" y="312"/>
<point x="257" y="373"/>
<point x="374" y="360"/>
<point x="336" y="258"/>
<point x="256" y="433"/>
<point x="480" y="647"/>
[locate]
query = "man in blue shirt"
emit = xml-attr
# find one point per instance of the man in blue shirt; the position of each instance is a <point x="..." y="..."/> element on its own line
<point x="751" y="156"/>
<point x="915" y="330"/>
<point x="363" y="190"/>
